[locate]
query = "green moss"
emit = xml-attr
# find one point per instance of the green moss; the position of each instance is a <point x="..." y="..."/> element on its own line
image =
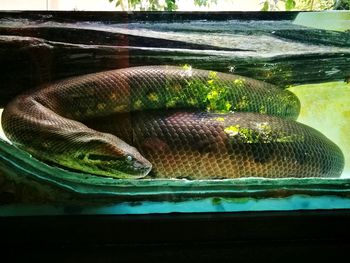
<point x="249" y="135"/>
<point x="153" y="97"/>
<point x="243" y="104"/>
<point x="221" y="119"/>
<point x="171" y="103"/>
<point x="138" y="104"/>
<point x="263" y="109"/>
<point x="187" y="67"/>
<point x="290" y="138"/>
<point x="245" y="134"/>
<point x="232" y="130"/>
<point x="212" y="75"/>
<point x="210" y="94"/>
<point x="263" y="133"/>
<point x="192" y="102"/>
<point x="239" y="82"/>
<point x="265" y="127"/>
<point x="213" y="95"/>
<point x="228" y="106"/>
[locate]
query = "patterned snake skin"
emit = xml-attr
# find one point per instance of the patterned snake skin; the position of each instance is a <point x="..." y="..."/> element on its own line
<point x="182" y="122"/>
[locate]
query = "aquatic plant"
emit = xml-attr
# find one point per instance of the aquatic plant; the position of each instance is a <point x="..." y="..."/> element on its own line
<point x="267" y="5"/>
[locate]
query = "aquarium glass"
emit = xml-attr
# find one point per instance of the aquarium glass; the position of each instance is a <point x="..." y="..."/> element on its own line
<point x="160" y="112"/>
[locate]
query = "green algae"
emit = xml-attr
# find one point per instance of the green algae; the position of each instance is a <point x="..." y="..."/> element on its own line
<point x="232" y="130"/>
<point x="262" y="133"/>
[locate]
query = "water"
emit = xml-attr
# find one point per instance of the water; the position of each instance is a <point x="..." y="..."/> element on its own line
<point x="312" y="63"/>
<point x="325" y="107"/>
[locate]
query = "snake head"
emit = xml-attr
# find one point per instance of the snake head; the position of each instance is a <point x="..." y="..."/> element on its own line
<point x="106" y="155"/>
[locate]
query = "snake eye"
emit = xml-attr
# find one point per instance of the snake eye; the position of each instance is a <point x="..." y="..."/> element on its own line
<point x="129" y="158"/>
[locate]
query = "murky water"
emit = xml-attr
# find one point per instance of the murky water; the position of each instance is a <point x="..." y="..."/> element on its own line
<point x="325" y="107"/>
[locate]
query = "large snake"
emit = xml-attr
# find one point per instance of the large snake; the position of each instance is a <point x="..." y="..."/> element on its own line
<point x="182" y="122"/>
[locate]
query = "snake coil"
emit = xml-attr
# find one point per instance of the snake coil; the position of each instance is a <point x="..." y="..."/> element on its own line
<point x="182" y="122"/>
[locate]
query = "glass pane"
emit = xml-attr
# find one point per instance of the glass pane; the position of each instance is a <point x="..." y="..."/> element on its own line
<point x="129" y="113"/>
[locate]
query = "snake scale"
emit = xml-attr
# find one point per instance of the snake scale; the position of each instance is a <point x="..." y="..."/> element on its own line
<point x="173" y="121"/>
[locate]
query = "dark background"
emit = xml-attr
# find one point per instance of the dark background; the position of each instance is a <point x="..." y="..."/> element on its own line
<point x="303" y="236"/>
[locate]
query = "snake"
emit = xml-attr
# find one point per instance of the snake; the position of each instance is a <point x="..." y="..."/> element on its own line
<point x="169" y="122"/>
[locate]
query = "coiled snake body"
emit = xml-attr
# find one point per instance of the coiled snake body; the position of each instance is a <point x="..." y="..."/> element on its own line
<point x="182" y="121"/>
